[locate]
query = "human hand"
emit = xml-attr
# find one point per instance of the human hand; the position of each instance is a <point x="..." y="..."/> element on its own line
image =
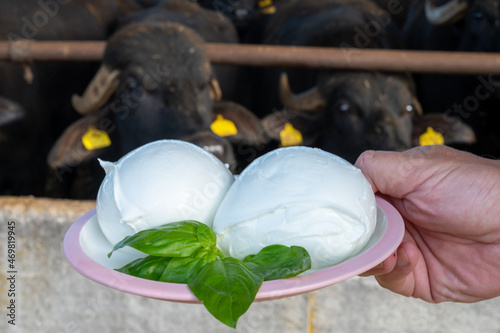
<point x="449" y="201"/>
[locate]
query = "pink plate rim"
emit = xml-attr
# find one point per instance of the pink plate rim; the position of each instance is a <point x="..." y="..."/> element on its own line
<point x="96" y="272"/>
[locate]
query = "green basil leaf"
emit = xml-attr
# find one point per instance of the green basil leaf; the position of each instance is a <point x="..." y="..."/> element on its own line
<point x="150" y="267"/>
<point x="177" y="239"/>
<point x="180" y="270"/>
<point x="207" y="237"/>
<point x="227" y="288"/>
<point x="279" y="261"/>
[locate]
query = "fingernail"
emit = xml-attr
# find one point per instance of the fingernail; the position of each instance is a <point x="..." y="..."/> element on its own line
<point x="379" y="266"/>
<point x="402" y="258"/>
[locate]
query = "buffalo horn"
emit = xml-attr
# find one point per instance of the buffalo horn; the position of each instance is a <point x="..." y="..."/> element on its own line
<point x="215" y="91"/>
<point x="97" y="93"/>
<point x="310" y="100"/>
<point x="448" y="13"/>
<point x="419" y="111"/>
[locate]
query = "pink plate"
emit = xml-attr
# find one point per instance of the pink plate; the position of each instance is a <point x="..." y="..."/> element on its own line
<point x="85" y="253"/>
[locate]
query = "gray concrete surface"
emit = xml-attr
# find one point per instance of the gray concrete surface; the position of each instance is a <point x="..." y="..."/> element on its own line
<point x="52" y="297"/>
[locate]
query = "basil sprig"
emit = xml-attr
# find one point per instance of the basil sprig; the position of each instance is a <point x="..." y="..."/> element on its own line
<point x="186" y="252"/>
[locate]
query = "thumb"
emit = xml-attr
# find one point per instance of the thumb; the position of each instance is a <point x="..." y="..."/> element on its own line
<point x="391" y="173"/>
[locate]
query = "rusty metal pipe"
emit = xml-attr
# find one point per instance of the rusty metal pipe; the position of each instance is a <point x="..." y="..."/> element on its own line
<point x="30" y="51"/>
<point x="364" y="59"/>
<point x="278" y="56"/>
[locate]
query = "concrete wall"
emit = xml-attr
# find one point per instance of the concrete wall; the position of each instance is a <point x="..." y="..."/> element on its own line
<point x="52" y="297"/>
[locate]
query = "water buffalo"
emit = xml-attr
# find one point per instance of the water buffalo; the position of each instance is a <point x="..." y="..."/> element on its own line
<point x="356" y="110"/>
<point x="43" y="89"/>
<point x="351" y="112"/>
<point x="283" y="127"/>
<point x="459" y="25"/>
<point x="155" y="82"/>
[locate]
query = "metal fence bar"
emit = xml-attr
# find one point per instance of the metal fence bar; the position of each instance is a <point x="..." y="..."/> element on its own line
<point x="29" y="51"/>
<point x="286" y="56"/>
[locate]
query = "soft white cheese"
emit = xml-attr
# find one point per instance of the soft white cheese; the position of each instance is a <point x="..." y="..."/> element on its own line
<point x="161" y="182"/>
<point x="298" y="196"/>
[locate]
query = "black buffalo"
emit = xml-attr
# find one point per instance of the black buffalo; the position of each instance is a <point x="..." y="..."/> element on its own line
<point x="155" y="82"/>
<point x="430" y="128"/>
<point x="467" y="26"/>
<point x="355" y="110"/>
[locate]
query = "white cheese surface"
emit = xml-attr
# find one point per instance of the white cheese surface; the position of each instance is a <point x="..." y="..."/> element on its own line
<point x="160" y="182"/>
<point x="298" y="196"/>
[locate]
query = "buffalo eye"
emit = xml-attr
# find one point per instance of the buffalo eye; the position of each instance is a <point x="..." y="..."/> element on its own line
<point x="409" y="108"/>
<point x="131" y="84"/>
<point x="343" y="106"/>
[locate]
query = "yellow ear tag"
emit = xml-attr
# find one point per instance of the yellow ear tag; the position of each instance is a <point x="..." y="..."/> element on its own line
<point x="264" y="3"/>
<point x="266" y="7"/>
<point x="95" y="139"/>
<point x="431" y="137"/>
<point x="223" y="127"/>
<point x="268" y="10"/>
<point x="290" y="136"/>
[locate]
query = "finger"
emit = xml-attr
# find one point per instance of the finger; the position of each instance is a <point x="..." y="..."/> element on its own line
<point x="389" y="264"/>
<point x="401" y="280"/>
<point x="384" y="267"/>
<point x="392" y="173"/>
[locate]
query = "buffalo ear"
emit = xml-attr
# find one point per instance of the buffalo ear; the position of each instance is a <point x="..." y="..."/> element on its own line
<point x="237" y="124"/>
<point x="274" y="123"/>
<point x="453" y="130"/>
<point x="73" y="148"/>
<point x="297" y="124"/>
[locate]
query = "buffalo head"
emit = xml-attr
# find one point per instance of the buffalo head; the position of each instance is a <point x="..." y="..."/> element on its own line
<point x="480" y="22"/>
<point x="335" y="117"/>
<point x="157" y="82"/>
<point x="345" y="122"/>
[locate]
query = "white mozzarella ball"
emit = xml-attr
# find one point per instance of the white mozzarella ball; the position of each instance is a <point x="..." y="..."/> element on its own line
<point x="161" y="182"/>
<point x="298" y="196"/>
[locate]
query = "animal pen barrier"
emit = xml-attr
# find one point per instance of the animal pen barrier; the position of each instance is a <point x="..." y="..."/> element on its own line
<point x="27" y="51"/>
